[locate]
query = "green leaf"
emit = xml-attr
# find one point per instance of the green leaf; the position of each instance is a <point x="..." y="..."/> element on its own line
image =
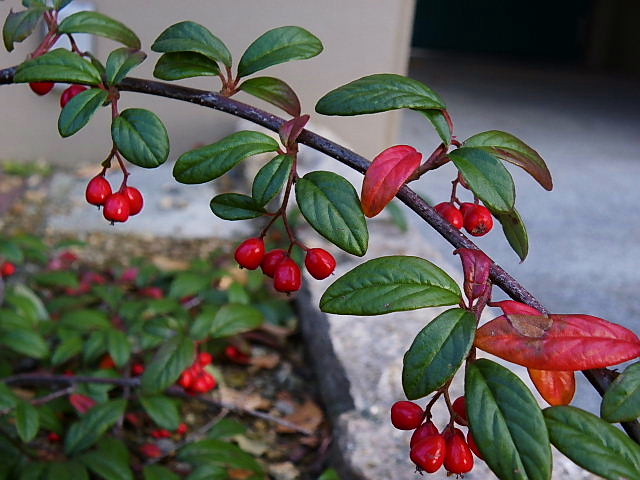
<point x="440" y="123"/>
<point x="192" y="37"/>
<point x="226" y="429"/>
<point x="279" y="45"/>
<point x="271" y="178"/>
<point x="202" y="323"/>
<point x="85" y="320"/>
<point x="178" y="65"/>
<point x="77" y="113"/>
<point x="9" y="250"/>
<point x="27" y="421"/>
<point x="27" y="303"/>
<point x="209" y="472"/>
<point x="274" y="91"/>
<point x="49" y="418"/>
<point x="158" y="472"/>
<point x="188" y="283"/>
<point x="59" y="65"/>
<point x="120" y="62"/>
<point x="487" y="177"/>
<point x="67" y="349"/>
<point x="162" y="410"/>
<point x="329" y="474"/>
<point x="233" y="319"/>
<point x="507" y="423"/>
<point x="379" y="93"/>
<point x="26" y="342"/>
<point x="19" y="25"/>
<point x="510" y="148"/>
<point x="60" y="4"/>
<point x="66" y="470"/>
<point x="437" y="352"/>
<point x="118" y="346"/>
<point x="621" y="402"/>
<point x="173" y="357"/>
<point x="331" y="206"/>
<point x="86" y="431"/>
<point x="95" y="346"/>
<point x="57" y="278"/>
<point x="515" y="232"/>
<point x="204" y="164"/>
<point x="390" y="284"/>
<point x="235" y="206"/>
<point x="98" y="24"/>
<point x="221" y="453"/>
<point x="141" y="137"/>
<point x="592" y="443"/>
<point x="8" y="399"/>
<point x="107" y="465"/>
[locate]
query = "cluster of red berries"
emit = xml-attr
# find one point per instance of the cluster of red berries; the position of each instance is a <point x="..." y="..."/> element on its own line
<point x="118" y="206"/>
<point x="7" y="269"/>
<point x="475" y="218"/>
<point x="164" y="433"/>
<point x="277" y="264"/>
<point x="42" y="88"/>
<point x="430" y="448"/>
<point x="196" y="379"/>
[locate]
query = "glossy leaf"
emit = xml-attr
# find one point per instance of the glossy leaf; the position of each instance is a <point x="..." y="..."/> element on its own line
<point x="235" y="206"/>
<point x="173" y="357"/>
<point x="220" y="453"/>
<point x="556" y="387"/>
<point x="567" y="342"/>
<point x="58" y="65"/>
<point x="512" y="149"/>
<point x="386" y="175"/>
<point x="621" y="402"/>
<point x="60" y="4"/>
<point x="274" y="91"/>
<point x="179" y="65"/>
<point x="507" y="423"/>
<point x="331" y="206"/>
<point x="141" y="137"/>
<point x="189" y="283"/>
<point x="437" y="352"/>
<point x="25" y="341"/>
<point x="107" y="464"/>
<point x="379" y="93"/>
<point x="86" y="431"/>
<point x="119" y="347"/>
<point x="233" y="319"/>
<point x="99" y="24"/>
<point x="120" y="62"/>
<point x="487" y="177"/>
<point x="440" y="123"/>
<point x="271" y="178"/>
<point x="207" y="163"/>
<point x="162" y="410"/>
<point x="19" y="25"/>
<point x="208" y="472"/>
<point x="390" y="284"/>
<point x="27" y="421"/>
<point x="192" y="37"/>
<point x="68" y="348"/>
<point x="279" y="45"/>
<point x="476" y="266"/>
<point x="77" y="113"/>
<point x="515" y="232"/>
<point x="592" y="443"/>
<point x="158" y="472"/>
<point x="202" y="324"/>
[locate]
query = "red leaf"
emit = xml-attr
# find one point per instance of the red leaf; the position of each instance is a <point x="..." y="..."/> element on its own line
<point x="386" y="175"/>
<point x="82" y="403"/>
<point x="567" y="342"/>
<point x="290" y="130"/>
<point x="517" y="308"/>
<point x="477" y="267"/>
<point x="557" y="388"/>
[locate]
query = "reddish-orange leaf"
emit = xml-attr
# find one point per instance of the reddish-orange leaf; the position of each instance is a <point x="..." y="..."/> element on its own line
<point x="386" y="175"/>
<point x="290" y="130"/>
<point x="556" y="387"/>
<point x="476" y="266"/>
<point x="567" y="342"/>
<point x="82" y="403"/>
<point x="516" y="308"/>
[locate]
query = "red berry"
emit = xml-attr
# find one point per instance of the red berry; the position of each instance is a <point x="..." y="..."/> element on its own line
<point x="69" y="93"/>
<point x="406" y="415"/>
<point x="288" y="276"/>
<point x="271" y="260"/>
<point x="187" y="379"/>
<point x="54" y="437"/>
<point x="460" y="409"/>
<point x="477" y="219"/>
<point x="183" y="429"/>
<point x="250" y="253"/>
<point x="473" y="445"/>
<point x="319" y="263"/>
<point x="116" y="208"/>
<point x="423" y="431"/>
<point x="137" y="369"/>
<point x="459" y="458"/>
<point x="234" y="354"/>
<point x="98" y="190"/>
<point x="136" y="202"/>
<point x="134" y="419"/>
<point x="451" y="214"/>
<point x="107" y="362"/>
<point x="151" y="450"/>
<point x="152" y="292"/>
<point x="210" y="382"/>
<point x="7" y="269"/>
<point x="205" y="358"/>
<point x="41" y="88"/>
<point x="429" y="454"/>
<point x="161" y="433"/>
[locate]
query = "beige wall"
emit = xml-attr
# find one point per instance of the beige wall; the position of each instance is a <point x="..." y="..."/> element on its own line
<point x="361" y="37"/>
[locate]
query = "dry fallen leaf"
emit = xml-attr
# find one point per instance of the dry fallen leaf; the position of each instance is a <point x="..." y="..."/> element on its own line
<point x="243" y="400"/>
<point x="308" y="416"/>
<point x="268" y="361"/>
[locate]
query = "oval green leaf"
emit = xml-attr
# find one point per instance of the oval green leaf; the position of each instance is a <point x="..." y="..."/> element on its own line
<point x="235" y="206"/>
<point x="437" y="352"/>
<point x="390" y="284"/>
<point x="24" y="341"/>
<point x="120" y="62"/>
<point x="507" y="423"/>
<point x="621" y="402"/>
<point x="108" y="463"/>
<point x="233" y="319"/>
<point x="179" y="65"/>
<point x="279" y="45"/>
<point x="440" y="123"/>
<point x="27" y="421"/>
<point x="162" y="411"/>
<point x="77" y="113"/>
<point x="19" y="25"/>
<point x="68" y="348"/>
<point x="379" y="93"/>
<point x="274" y="91"/>
<point x="59" y="65"/>
<point x="487" y="177"/>
<point x="271" y="178"/>
<point x="118" y="346"/>
<point x="331" y="206"/>
<point x="221" y="453"/>
<point x="141" y="137"/>
<point x="158" y="472"/>
<point x="99" y="24"/>
<point x="204" y="164"/>
<point x="85" y="432"/>
<point x="192" y="37"/>
<point x="169" y="362"/>
<point x="515" y="232"/>
<point x="592" y="443"/>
